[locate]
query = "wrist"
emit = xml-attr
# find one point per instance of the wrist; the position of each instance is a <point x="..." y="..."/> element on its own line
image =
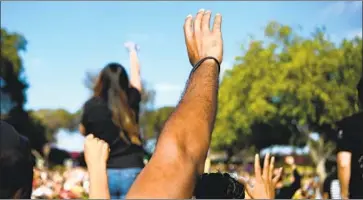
<point x="97" y="168"/>
<point x="211" y="64"/>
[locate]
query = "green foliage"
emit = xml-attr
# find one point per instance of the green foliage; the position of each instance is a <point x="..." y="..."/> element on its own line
<point x="11" y="45"/>
<point x="152" y="121"/>
<point x="57" y="119"/>
<point x="288" y="80"/>
<point x="13" y="86"/>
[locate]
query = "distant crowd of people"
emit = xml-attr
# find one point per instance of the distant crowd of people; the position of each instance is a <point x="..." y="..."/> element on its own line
<point x="114" y="153"/>
<point x="71" y="183"/>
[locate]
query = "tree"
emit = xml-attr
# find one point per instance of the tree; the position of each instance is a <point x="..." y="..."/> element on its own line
<point x="55" y="119"/>
<point x="288" y="81"/>
<point x="153" y="121"/>
<point x="13" y="87"/>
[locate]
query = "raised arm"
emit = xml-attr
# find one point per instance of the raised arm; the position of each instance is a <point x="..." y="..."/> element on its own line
<point x="135" y="79"/>
<point x="96" y="154"/>
<point x="344" y="157"/>
<point x="183" y="144"/>
<point x="344" y="162"/>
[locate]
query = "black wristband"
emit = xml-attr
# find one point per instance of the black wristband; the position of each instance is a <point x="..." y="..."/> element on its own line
<point x="199" y="63"/>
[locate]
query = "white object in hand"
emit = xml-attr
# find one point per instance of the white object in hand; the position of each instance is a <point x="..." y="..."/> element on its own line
<point x="131" y="46"/>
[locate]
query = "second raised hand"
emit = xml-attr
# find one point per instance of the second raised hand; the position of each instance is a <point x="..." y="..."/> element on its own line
<point x="131" y="46"/>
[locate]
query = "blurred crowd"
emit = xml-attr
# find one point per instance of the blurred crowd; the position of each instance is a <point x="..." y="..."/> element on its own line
<point x="296" y="182"/>
<point x="72" y="182"/>
<point x="60" y="183"/>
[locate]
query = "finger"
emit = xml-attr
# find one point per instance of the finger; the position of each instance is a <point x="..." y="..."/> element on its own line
<point x="188" y="28"/>
<point x="206" y="21"/>
<point x="198" y="22"/>
<point x="266" y="166"/>
<point x="277" y="177"/>
<point x="105" y="144"/>
<point x="90" y="136"/>
<point x="105" y="150"/>
<point x="272" y="166"/>
<point x="257" y="167"/>
<point x="217" y="23"/>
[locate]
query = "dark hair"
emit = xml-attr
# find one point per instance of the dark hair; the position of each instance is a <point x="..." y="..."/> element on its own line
<point x="16" y="167"/>
<point x="113" y="86"/>
<point x="218" y="186"/>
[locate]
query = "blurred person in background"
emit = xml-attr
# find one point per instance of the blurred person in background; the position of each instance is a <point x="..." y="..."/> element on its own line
<point x="16" y="164"/>
<point x="286" y="191"/>
<point x="331" y="186"/>
<point x="350" y="152"/>
<point x="112" y="114"/>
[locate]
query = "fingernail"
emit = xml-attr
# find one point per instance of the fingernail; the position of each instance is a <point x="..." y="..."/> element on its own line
<point x="201" y="10"/>
<point x="207" y="12"/>
<point x="188" y="16"/>
<point x="218" y="14"/>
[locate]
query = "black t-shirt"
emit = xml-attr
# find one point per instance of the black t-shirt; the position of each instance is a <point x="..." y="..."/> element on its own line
<point x="350" y="139"/>
<point x="97" y="119"/>
<point x="287" y="192"/>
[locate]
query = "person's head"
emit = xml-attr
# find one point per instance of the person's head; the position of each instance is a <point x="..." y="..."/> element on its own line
<point x="16" y="164"/>
<point x="113" y="85"/>
<point x="113" y="75"/>
<point x="218" y="186"/>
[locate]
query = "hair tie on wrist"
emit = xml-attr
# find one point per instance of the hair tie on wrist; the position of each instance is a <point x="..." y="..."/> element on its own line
<point x="199" y="63"/>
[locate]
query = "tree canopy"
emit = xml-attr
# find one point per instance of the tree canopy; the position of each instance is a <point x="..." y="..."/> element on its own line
<point x="152" y="121"/>
<point x="13" y="86"/>
<point x="285" y="83"/>
<point x="55" y="119"/>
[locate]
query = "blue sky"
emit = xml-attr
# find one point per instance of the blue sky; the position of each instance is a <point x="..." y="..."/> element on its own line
<point x="67" y="39"/>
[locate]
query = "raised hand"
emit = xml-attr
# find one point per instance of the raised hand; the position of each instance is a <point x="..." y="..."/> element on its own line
<point x="96" y="152"/>
<point x="264" y="187"/>
<point x="131" y="46"/>
<point x="200" y="40"/>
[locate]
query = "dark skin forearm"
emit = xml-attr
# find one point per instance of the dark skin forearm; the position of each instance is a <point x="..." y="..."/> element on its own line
<point x="184" y="141"/>
<point x="195" y="114"/>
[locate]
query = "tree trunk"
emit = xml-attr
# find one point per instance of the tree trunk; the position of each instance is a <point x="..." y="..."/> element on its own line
<point x="320" y="169"/>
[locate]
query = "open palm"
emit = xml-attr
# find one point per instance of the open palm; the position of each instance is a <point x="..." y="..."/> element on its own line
<point x="264" y="187"/>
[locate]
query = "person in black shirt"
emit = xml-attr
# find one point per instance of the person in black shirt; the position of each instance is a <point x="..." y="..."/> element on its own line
<point x="112" y="115"/>
<point x="16" y="164"/>
<point x="350" y="153"/>
<point x="288" y="191"/>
